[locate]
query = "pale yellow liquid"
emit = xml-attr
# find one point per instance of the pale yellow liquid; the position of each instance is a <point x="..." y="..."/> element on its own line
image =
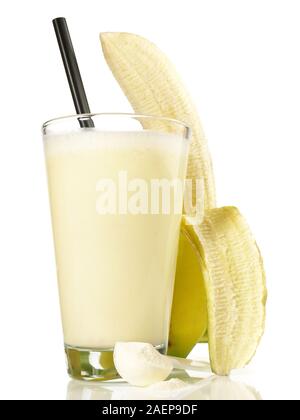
<point x="115" y="272"/>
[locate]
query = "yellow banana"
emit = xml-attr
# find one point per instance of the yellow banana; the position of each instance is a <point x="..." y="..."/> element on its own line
<point x="220" y="279"/>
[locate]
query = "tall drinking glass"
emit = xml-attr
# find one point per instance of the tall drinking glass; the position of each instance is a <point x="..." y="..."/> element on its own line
<point x="116" y="195"/>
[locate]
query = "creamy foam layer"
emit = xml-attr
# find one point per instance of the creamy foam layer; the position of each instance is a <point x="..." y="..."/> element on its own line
<point x="90" y="139"/>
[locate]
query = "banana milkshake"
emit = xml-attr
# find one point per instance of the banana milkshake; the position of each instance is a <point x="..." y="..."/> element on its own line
<point x="116" y="266"/>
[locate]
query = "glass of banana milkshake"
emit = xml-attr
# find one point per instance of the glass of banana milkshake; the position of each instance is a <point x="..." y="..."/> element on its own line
<point x="116" y="194"/>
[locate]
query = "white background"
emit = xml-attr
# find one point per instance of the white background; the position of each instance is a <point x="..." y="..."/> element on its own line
<point x="240" y="59"/>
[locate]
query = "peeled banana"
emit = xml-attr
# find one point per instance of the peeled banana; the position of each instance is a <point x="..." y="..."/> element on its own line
<point x="235" y="287"/>
<point x="220" y="291"/>
<point x="153" y="87"/>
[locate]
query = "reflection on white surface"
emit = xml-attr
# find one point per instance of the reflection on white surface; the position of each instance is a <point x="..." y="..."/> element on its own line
<point x="223" y="388"/>
<point x="184" y="388"/>
<point x="79" y="390"/>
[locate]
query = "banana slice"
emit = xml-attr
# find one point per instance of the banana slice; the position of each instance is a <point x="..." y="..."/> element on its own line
<point x="189" y="309"/>
<point x="152" y="86"/>
<point x="235" y="287"/>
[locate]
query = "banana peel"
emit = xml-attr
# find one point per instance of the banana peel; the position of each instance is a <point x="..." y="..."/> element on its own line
<point x="189" y="309"/>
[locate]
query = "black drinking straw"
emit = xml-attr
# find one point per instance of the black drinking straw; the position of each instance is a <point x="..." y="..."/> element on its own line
<point x="72" y="70"/>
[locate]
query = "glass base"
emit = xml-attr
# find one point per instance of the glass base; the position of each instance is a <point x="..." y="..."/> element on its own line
<point x="94" y="364"/>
